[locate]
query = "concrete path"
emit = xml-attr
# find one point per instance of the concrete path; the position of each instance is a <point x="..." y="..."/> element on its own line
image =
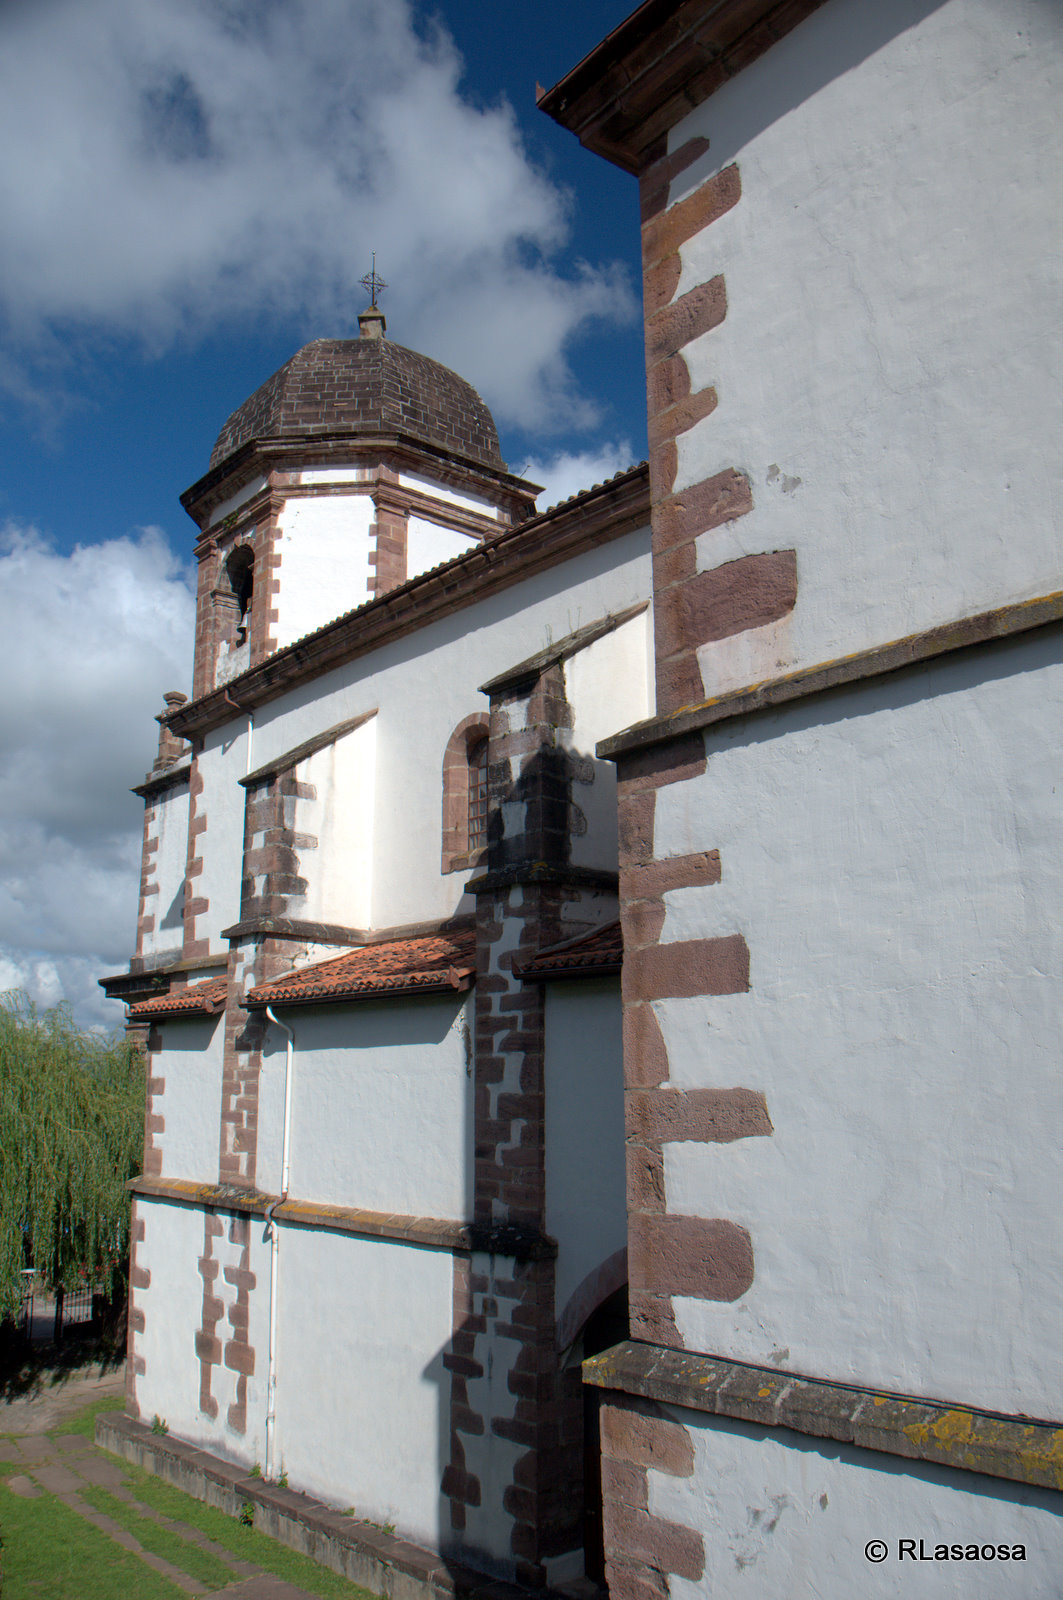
<point x="65" y="1465"/>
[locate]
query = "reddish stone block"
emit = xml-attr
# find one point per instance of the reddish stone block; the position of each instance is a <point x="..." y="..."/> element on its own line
<point x="240" y="1357"/>
<point x="645" y="1055"/>
<point x="707" y="1116"/>
<point x="688" y="967"/>
<point x="700" y="508"/>
<point x="669" y="229"/>
<point x="636" y="818"/>
<point x="704" y="1258"/>
<point x="660" y="282"/>
<point x="698" y="311"/>
<point x="624" y="1483"/>
<point x="748" y="593"/>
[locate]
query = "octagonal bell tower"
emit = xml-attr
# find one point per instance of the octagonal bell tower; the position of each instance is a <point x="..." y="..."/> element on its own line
<point x="356" y="466"/>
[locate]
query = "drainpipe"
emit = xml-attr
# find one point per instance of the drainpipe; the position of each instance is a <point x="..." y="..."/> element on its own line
<point x="271" y="1386"/>
<point x="250" y="733"/>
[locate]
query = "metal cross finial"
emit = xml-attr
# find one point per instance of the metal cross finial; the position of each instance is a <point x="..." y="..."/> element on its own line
<point x="372" y="283"/>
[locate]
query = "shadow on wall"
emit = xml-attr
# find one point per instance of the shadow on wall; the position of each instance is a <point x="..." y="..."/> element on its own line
<point x="829" y="47"/>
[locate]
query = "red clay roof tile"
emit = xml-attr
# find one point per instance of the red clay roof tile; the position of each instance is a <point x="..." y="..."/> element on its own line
<point x="198" y="999"/>
<point x="429" y="964"/>
<point x="591" y="954"/>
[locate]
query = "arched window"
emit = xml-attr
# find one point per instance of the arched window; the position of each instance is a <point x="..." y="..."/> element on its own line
<point x="477" y="837"/>
<point x="465" y="796"/>
<point x="240" y="571"/>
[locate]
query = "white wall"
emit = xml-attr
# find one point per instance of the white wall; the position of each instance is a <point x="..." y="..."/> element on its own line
<point x="585" y="1194"/>
<point x="363" y="1399"/>
<point x="889" y="855"/>
<point x="190" y="1063"/>
<point x="339" y="871"/>
<point x="382" y="1107"/>
<point x="170" y="862"/>
<point x="424" y="684"/>
<point x="173" y="1312"/>
<point x="888" y="372"/>
<point x="451" y="497"/>
<point x="428" y="544"/>
<point x="223" y="761"/>
<point x="323" y="542"/>
<point x="609" y="686"/>
<point x="782" y="1514"/>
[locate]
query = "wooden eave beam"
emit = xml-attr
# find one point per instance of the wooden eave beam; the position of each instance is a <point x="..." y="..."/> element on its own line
<point x="666" y="58"/>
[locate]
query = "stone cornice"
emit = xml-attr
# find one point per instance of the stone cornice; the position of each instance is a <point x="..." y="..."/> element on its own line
<point x="596" y="517"/>
<point x="500" y="1239"/>
<point x="1001" y="623"/>
<point x="665" y="59"/>
<point x="260" y="457"/>
<point x="1014" y="1447"/>
<point x="309" y="747"/>
<point x="562" y="649"/>
<point x="169" y="778"/>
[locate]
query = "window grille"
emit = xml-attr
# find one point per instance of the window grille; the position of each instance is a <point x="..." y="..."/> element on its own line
<point x="478" y="795"/>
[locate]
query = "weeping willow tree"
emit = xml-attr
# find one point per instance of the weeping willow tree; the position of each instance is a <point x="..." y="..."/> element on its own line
<point x="71" y="1135"/>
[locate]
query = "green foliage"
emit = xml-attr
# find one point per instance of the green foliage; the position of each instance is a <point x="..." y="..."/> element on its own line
<point x="159" y="1424"/>
<point x="247" y="1514"/>
<point x="71" y="1135"/>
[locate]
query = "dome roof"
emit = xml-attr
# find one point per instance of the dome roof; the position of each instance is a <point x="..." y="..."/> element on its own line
<point x="365" y="386"/>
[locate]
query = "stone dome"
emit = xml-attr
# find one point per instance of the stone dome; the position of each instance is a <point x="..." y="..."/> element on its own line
<point x="355" y="387"/>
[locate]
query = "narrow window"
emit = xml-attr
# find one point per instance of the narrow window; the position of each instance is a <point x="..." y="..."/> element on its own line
<point x="240" y="568"/>
<point x="477" y="795"/>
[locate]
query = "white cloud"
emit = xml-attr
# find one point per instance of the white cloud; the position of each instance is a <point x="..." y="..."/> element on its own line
<point x="567" y="472"/>
<point x="91" y="641"/>
<point x="167" y="164"/>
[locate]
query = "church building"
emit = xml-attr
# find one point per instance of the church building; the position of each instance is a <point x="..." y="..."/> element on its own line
<point x="627" y="938"/>
<point x="377" y="963"/>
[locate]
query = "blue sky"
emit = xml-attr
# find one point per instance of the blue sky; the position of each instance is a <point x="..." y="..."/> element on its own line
<point x="191" y="190"/>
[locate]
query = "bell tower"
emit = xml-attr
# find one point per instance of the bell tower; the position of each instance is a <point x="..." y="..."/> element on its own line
<point x="356" y="466"/>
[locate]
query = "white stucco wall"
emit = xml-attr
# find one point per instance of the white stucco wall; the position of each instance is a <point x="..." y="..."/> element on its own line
<point x="783" y="1514"/>
<point x="190" y="1063"/>
<point x="887" y="371"/>
<point x="338" y="871"/>
<point x="424" y="684"/>
<point x="423" y="484"/>
<point x="323" y="542"/>
<point x="363" y="1398"/>
<point x="223" y="761"/>
<point x="889" y="855"/>
<point x="428" y="544"/>
<point x="382" y="1107"/>
<point x="170" y="828"/>
<point x="585" y="1195"/>
<point x="173" y="1309"/>
<point x="609" y="686"/>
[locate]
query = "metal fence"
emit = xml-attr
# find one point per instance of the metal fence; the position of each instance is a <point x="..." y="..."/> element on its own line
<point x="46" y="1316"/>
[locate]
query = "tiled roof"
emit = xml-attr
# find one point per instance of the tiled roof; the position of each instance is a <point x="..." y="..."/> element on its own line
<point x="588" y="956"/>
<point x="198" y="999"/>
<point x="430" y="964"/>
<point x="365" y="386"/>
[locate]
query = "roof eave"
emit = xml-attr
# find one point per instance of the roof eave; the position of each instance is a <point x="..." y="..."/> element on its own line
<point x="605" y="512"/>
<point x="259" y="999"/>
<point x="666" y="58"/>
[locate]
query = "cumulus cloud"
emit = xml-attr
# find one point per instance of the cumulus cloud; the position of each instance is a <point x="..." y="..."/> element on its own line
<point x="168" y="164"/>
<point x="567" y="472"/>
<point x="92" y="640"/>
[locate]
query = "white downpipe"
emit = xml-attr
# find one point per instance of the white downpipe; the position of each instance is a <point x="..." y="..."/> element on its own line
<point x="271" y="1385"/>
<point x="250" y="742"/>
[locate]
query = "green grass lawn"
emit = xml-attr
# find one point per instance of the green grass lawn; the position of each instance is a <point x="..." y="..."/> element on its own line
<point x="52" y="1553"/>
